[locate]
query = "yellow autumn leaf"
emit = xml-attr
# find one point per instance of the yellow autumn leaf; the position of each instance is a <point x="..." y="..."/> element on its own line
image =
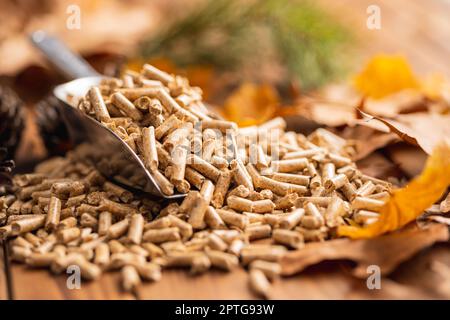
<point x="134" y="64"/>
<point x="407" y="203"/>
<point x="384" y="75"/>
<point x="251" y="104"/>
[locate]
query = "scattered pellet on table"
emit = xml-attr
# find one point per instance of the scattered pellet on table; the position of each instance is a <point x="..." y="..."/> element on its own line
<point x="259" y="283"/>
<point x="271" y="270"/>
<point x="130" y="278"/>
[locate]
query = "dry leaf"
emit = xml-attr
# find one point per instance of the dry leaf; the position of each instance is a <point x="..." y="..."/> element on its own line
<point x="332" y="106"/>
<point x="410" y="159"/>
<point x="439" y="219"/>
<point x="251" y="104"/>
<point x="367" y="139"/>
<point x="406" y="204"/>
<point x="325" y="112"/>
<point x="334" y="110"/>
<point x="378" y="166"/>
<point x="429" y="270"/>
<point x="387" y="251"/>
<point x="420" y="129"/>
<point x="384" y="75"/>
<point x="392" y="125"/>
<point x="434" y="209"/>
<point x="429" y="129"/>
<point x="342" y="93"/>
<point x="405" y="101"/>
<point x="331" y="114"/>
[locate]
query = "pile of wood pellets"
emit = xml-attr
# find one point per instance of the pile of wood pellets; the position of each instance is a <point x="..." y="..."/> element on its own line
<point x="252" y="193"/>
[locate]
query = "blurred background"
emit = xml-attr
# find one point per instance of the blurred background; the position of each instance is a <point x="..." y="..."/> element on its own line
<point x="253" y="60"/>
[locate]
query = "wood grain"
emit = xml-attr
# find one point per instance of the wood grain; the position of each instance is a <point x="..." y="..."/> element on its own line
<point x="3" y="286"/>
<point x="325" y="281"/>
<point x="328" y="283"/>
<point x="31" y="283"/>
<point x="176" y="284"/>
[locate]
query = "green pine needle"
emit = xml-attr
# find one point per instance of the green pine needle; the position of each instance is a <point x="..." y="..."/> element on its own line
<point x="230" y="34"/>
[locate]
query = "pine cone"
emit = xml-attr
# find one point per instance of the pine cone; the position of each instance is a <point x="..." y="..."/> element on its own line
<point x="52" y="127"/>
<point x="12" y="120"/>
<point x="6" y="165"/>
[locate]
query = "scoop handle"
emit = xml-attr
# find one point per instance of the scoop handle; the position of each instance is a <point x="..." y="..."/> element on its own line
<point x="70" y="64"/>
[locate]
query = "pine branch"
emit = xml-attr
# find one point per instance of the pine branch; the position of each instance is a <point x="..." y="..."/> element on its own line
<point x="227" y="34"/>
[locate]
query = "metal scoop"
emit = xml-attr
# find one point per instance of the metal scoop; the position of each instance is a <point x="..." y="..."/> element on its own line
<point x="111" y="155"/>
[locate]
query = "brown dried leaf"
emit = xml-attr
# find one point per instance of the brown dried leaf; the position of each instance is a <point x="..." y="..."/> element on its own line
<point x="410" y="159"/>
<point x="378" y="166"/>
<point x="334" y="104"/>
<point x="434" y="209"/>
<point x="439" y="219"/>
<point x="331" y="114"/>
<point x="342" y="93"/>
<point x="445" y="204"/>
<point x="394" y="126"/>
<point x="367" y="140"/>
<point x="251" y="104"/>
<point x="322" y="110"/>
<point x="343" y="98"/>
<point x="405" y="101"/>
<point x="386" y="251"/>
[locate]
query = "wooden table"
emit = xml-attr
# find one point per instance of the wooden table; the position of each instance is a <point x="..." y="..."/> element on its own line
<point x="3" y="283"/>
<point x="29" y="283"/>
<point x="329" y="280"/>
<point x="176" y="284"/>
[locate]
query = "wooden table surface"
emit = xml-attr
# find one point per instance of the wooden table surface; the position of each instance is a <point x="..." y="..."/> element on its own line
<point x="416" y="28"/>
<point x="3" y="283"/>
<point x="326" y="282"/>
<point x="414" y="279"/>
